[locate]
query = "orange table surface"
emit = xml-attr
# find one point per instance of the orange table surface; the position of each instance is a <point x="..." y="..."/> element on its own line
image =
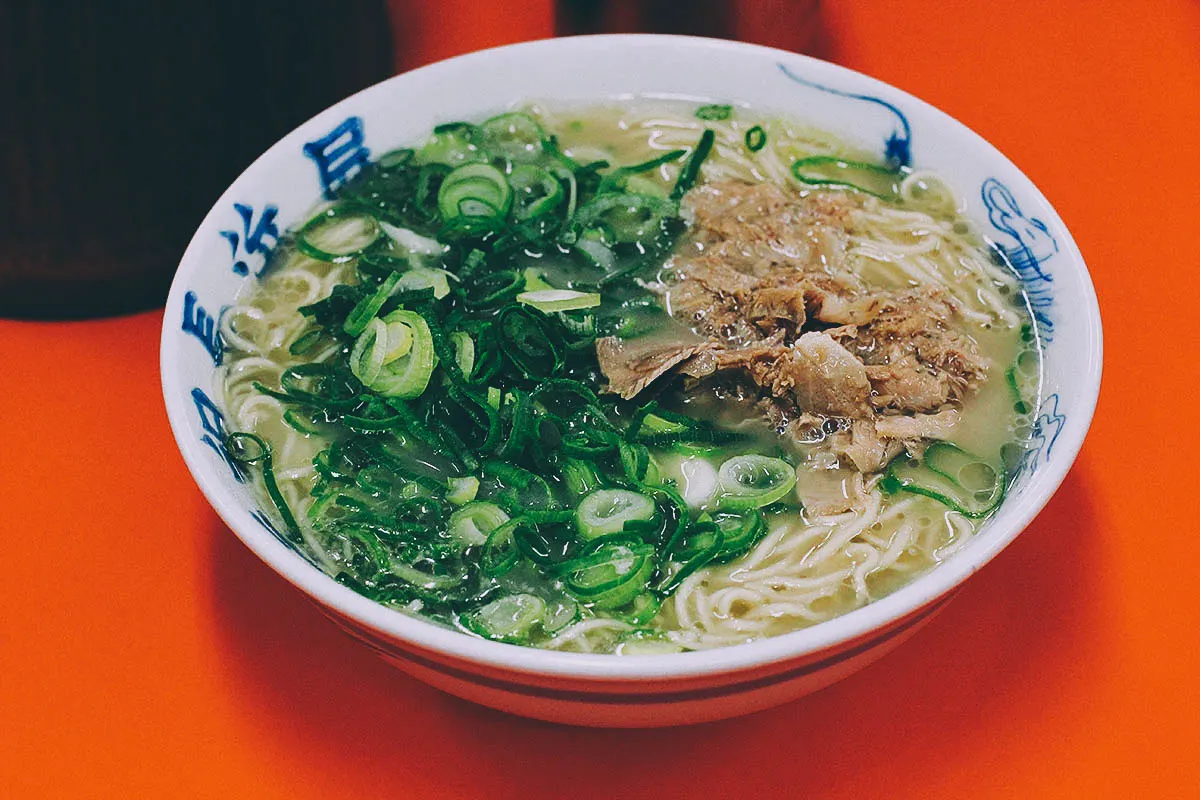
<point x="144" y="652"/>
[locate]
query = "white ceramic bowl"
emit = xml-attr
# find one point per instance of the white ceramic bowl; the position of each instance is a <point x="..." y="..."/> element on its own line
<point x="283" y="184"/>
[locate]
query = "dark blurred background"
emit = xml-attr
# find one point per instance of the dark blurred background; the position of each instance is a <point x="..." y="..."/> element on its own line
<point x="123" y="122"/>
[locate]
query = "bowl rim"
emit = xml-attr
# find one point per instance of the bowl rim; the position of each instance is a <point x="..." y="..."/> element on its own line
<point x="860" y="623"/>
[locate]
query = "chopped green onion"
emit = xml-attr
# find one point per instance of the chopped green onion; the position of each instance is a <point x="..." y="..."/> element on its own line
<point x="641" y="609"/>
<point x="524" y="338"/>
<point x="500" y="552"/>
<point x="474" y="190"/>
<point x="549" y="300"/>
<point x="300" y="422"/>
<point x="395" y="158"/>
<point x="339" y="234"/>
<point x="715" y="112"/>
<point x="474" y="522"/>
<point x="520" y="491"/>
<point x="654" y="421"/>
<point x="451" y="144"/>
<point x="560" y="612"/>
<point x="417" y="278"/>
<point x="399" y="342"/>
<point x="306" y="342"/>
<point x="579" y="476"/>
<point x="464" y="352"/>
<point x="490" y="291"/>
<point x="605" y="512"/>
<point x="515" y="136"/>
<point x="640" y="467"/>
<point x="424" y="580"/>
<point x="535" y="192"/>
<point x="610" y="576"/>
<point x="753" y="481"/>
<point x="873" y="179"/>
<point x="370" y="350"/>
<point x="954" y="477"/>
<point x="630" y="217"/>
<point x="429" y="182"/>
<point x="756" y="139"/>
<point x="691" y="168"/>
<point x="740" y="532"/>
<point x="508" y="619"/>
<point x="535" y="281"/>
<point x="597" y="253"/>
<point x="619" y="179"/>
<point x="460" y="491"/>
<point x="1010" y="376"/>
<point x="404" y="376"/>
<point x="356" y="322"/>
<point x="246" y="448"/>
<point x="413" y="242"/>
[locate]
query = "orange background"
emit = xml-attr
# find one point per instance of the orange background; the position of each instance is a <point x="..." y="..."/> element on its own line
<point x="144" y="652"/>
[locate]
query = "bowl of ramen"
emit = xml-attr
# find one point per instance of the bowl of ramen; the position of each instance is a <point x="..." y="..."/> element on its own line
<point x="630" y="380"/>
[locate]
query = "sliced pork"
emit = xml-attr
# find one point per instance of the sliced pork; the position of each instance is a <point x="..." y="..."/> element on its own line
<point x="764" y="279"/>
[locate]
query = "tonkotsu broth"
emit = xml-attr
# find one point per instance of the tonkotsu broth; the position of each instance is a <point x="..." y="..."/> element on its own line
<point x="800" y="567"/>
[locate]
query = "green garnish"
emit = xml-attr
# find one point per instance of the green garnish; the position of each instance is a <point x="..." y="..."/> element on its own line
<point x="548" y="300"/>
<point x="756" y="139"/>
<point x="959" y="480"/>
<point x="715" y="112"/>
<point x="605" y="512"/>
<point x="753" y="481"/>
<point x="883" y="182"/>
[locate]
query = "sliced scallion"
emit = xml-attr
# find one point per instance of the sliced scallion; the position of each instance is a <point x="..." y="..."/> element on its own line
<point x="339" y="234"/>
<point x="362" y="314"/>
<point x="604" y="512"/>
<point x="474" y="522"/>
<point x="611" y="576"/>
<point x="500" y="552"/>
<point x="460" y="491"/>
<point x="872" y="179"/>
<point x="413" y="242"/>
<point x="954" y="477"/>
<point x="417" y="278"/>
<point x="550" y="300"/>
<point x="536" y="192"/>
<point x="691" y="168"/>
<point x="451" y="144"/>
<point x="404" y="376"/>
<point x="756" y="139"/>
<point x="464" y="352"/>
<point x="515" y="136"/>
<point x="630" y="217"/>
<point x="560" y="612"/>
<point x="510" y="618"/>
<point x="246" y="448"/>
<point x="474" y="190"/>
<point x="714" y="111"/>
<point x="753" y="481"/>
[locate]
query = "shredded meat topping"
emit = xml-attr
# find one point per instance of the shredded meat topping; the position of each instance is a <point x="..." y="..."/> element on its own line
<point x="632" y="366"/>
<point x="764" y="279"/>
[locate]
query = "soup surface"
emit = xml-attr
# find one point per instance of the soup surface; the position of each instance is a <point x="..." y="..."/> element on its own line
<point x="637" y="378"/>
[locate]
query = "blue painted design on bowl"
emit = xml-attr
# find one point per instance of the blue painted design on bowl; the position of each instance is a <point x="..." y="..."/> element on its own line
<point x="203" y="325"/>
<point x="212" y="422"/>
<point x="897" y="148"/>
<point x="252" y="241"/>
<point x="1040" y="445"/>
<point x="339" y="155"/>
<point x="1026" y="244"/>
<point x="262" y="519"/>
